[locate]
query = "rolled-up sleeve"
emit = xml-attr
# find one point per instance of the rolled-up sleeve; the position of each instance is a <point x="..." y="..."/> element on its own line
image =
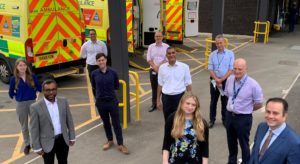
<point x="187" y="77"/>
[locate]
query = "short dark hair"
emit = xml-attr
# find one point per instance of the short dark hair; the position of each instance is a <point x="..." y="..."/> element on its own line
<point x="92" y="30"/>
<point x="47" y="82"/>
<point x="279" y="100"/>
<point x="171" y="47"/>
<point x="99" y="55"/>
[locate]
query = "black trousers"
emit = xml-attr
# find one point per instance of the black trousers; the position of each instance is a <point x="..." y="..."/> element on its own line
<point x="170" y="104"/>
<point x="154" y="83"/>
<point x="109" y="109"/>
<point x="214" y="97"/>
<point x="60" y="149"/>
<point x="238" y="128"/>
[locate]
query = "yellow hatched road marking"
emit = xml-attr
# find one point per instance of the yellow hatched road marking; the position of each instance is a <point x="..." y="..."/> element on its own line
<point x="9" y="136"/>
<point x="193" y="58"/>
<point x="90" y="93"/>
<point x="18" y="146"/>
<point x="194" y="41"/>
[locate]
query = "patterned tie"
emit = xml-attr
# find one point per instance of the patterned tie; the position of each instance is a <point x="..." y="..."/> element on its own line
<point x="265" y="145"/>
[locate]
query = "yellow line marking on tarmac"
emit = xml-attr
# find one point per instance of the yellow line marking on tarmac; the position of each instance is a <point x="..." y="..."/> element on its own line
<point x="7" y="110"/>
<point x="18" y="146"/>
<point x="3" y="91"/>
<point x="193" y="69"/>
<point x="10" y="135"/>
<point x="194" y="41"/>
<point x="19" y="155"/>
<point x="194" y="50"/>
<point x="141" y="89"/>
<point x="241" y="45"/>
<point x="140" y="84"/>
<point x="71" y="88"/>
<point x="90" y="94"/>
<point x="86" y="122"/>
<point x="195" y="59"/>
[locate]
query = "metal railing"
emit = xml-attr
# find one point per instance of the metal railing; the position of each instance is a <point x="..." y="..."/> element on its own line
<point x="123" y="104"/>
<point x="266" y="31"/>
<point x="208" y="42"/>
<point x="136" y="95"/>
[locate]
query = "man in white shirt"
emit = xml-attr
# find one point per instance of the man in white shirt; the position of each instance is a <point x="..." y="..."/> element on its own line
<point x="174" y="79"/>
<point x="90" y="49"/>
<point x="52" y="128"/>
<point x="156" y="56"/>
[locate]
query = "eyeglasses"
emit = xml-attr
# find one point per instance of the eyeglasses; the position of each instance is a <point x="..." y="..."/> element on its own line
<point x="50" y="90"/>
<point x="158" y="36"/>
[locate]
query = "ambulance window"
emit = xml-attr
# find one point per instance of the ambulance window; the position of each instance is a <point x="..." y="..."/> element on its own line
<point x="192" y="6"/>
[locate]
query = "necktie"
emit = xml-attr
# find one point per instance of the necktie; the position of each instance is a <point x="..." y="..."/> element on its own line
<point x="265" y="145"/>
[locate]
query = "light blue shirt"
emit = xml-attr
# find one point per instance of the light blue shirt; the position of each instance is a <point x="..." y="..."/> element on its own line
<point x="276" y="132"/>
<point x="221" y="62"/>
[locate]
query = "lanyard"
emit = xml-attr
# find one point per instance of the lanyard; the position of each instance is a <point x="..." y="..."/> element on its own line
<point x="219" y="62"/>
<point x="236" y="92"/>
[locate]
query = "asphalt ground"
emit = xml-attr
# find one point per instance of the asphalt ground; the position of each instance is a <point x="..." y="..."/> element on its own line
<point x="274" y="65"/>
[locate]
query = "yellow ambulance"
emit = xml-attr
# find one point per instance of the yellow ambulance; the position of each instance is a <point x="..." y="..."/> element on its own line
<point x="47" y="33"/>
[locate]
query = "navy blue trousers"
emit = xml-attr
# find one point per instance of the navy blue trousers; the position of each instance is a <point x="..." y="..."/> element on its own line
<point x="109" y="109"/>
<point x="238" y="128"/>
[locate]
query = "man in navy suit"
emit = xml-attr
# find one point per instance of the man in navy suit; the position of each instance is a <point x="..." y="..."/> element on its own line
<point x="275" y="142"/>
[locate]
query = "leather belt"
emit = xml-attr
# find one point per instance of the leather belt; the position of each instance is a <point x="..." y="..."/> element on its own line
<point x="236" y="114"/>
<point x="58" y="136"/>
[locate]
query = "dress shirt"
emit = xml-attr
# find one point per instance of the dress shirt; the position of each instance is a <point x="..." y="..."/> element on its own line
<point x="221" y="62"/>
<point x="174" y="79"/>
<point x="105" y="83"/>
<point x="54" y="114"/>
<point x="250" y="94"/>
<point x="276" y="132"/>
<point x="89" y="50"/>
<point x="157" y="53"/>
<point x="24" y="92"/>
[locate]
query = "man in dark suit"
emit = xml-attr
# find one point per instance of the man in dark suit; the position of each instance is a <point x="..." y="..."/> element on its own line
<point x="275" y="141"/>
<point x="52" y="128"/>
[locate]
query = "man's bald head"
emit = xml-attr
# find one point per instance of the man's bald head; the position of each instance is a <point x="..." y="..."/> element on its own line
<point x="240" y="68"/>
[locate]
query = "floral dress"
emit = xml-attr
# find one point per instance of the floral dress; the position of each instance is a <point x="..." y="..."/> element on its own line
<point x="185" y="147"/>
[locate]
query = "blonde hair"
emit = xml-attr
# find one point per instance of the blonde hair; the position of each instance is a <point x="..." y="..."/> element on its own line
<point x="28" y="74"/>
<point x="179" y="119"/>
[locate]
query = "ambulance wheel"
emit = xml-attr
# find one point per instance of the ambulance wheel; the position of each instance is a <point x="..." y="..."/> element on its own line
<point x="4" y="72"/>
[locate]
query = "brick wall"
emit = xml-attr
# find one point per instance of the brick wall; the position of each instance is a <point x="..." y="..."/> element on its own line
<point x="239" y="16"/>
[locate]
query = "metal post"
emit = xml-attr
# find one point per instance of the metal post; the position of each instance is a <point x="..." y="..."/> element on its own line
<point x="118" y="46"/>
<point x="262" y="15"/>
<point x="218" y="17"/>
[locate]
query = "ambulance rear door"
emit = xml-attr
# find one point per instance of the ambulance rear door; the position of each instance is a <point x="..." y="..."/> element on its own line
<point x="55" y="29"/>
<point x="151" y="20"/>
<point x="191" y="17"/>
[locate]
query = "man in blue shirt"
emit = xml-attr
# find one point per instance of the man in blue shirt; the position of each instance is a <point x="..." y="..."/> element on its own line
<point x="220" y="66"/>
<point x="105" y="81"/>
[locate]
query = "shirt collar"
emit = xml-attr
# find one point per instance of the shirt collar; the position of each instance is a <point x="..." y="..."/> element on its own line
<point x="224" y="51"/>
<point x="278" y="130"/>
<point x="242" y="80"/>
<point x="50" y="103"/>
<point x="176" y="64"/>
<point x="159" y="45"/>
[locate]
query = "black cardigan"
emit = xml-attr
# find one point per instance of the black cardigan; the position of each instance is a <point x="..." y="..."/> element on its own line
<point x="202" y="149"/>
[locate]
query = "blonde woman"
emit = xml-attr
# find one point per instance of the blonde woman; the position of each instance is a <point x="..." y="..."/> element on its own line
<point x="23" y="87"/>
<point x="186" y="134"/>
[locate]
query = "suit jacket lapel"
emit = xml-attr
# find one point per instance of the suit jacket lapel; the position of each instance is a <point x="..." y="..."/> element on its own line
<point x="45" y="110"/>
<point x="275" y="144"/>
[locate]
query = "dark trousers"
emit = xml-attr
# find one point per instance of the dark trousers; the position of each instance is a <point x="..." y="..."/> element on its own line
<point x="154" y="83"/>
<point x="109" y="109"/>
<point x="60" y="149"/>
<point x="90" y="69"/>
<point x="170" y="104"/>
<point x="238" y="128"/>
<point x="214" y="97"/>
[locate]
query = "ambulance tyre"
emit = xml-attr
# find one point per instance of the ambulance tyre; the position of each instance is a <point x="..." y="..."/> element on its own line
<point x="5" y="72"/>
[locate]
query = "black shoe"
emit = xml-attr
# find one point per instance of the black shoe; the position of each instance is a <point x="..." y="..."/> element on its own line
<point x="27" y="149"/>
<point x="211" y="124"/>
<point x="152" y="109"/>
